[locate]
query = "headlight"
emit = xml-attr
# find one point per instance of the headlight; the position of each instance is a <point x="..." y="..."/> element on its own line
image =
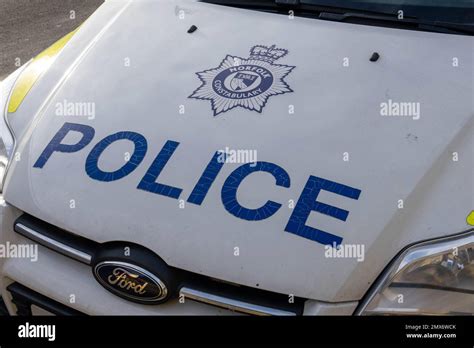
<point x="7" y="140"/>
<point x="434" y="278"/>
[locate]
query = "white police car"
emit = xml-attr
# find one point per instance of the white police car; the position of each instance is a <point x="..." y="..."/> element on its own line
<point x="274" y="158"/>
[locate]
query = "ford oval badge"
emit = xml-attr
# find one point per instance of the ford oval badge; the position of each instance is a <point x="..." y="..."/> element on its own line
<point x="130" y="282"/>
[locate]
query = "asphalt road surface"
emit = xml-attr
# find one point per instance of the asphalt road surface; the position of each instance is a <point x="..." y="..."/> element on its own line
<point x="27" y="27"/>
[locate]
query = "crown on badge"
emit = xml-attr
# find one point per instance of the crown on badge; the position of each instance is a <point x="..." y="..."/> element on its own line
<point x="267" y="54"/>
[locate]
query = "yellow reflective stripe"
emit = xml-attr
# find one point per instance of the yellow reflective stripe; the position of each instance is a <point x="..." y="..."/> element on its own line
<point x="470" y="218"/>
<point x="33" y="71"/>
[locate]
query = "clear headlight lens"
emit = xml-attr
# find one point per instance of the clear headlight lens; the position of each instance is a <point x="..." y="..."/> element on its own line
<point x="434" y="278"/>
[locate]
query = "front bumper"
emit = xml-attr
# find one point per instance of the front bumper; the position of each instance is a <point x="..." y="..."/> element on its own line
<point x="52" y="283"/>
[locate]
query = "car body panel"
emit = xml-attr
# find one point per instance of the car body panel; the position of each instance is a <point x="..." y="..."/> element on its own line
<point x="337" y="110"/>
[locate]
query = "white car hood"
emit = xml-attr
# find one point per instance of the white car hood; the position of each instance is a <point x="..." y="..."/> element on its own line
<point x="139" y="73"/>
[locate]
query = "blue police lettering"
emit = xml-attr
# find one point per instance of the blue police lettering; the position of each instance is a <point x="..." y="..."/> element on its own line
<point x="296" y="225"/>
<point x="55" y="144"/>
<point x="307" y="203"/>
<point x="148" y="183"/>
<point x="92" y="168"/>
<point x="207" y="178"/>
<point x="229" y="190"/>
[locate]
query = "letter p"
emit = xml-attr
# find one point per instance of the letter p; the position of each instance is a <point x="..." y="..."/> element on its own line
<point x="55" y="144"/>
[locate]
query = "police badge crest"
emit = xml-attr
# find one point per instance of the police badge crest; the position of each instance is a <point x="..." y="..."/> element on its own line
<point x="247" y="83"/>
